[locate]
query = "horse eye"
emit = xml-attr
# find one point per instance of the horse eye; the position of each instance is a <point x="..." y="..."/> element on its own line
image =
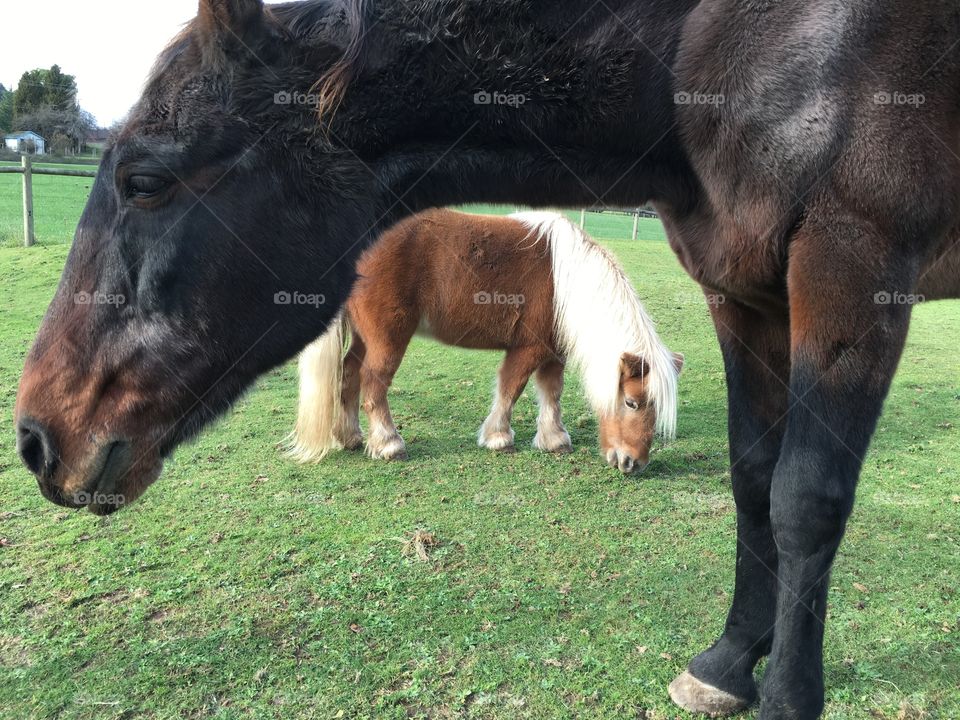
<point x="632" y="404"/>
<point x="146" y="186"/>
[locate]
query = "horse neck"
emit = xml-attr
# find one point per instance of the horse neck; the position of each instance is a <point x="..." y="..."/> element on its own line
<point x="516" y="102"/>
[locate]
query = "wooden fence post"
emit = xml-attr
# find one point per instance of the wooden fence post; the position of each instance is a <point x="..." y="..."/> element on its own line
<point x="636" y="223"/>
<point x="28" y="236"/>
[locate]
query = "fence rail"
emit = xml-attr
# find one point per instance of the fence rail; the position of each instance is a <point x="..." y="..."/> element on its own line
<point x="27" y="170"/>
<point x="635" y="214"/>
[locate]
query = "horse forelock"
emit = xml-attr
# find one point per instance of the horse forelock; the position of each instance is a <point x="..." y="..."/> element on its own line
<point x="332" y="85"/>
<point x="197" y="63"/>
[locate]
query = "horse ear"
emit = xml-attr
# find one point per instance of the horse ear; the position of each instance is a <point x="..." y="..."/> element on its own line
<point x="633" y="366"/>
<point x="228" y="17"/>
<point x="678" y="362"/>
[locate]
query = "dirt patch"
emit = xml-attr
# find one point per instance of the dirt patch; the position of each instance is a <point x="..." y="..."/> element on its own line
<point x="418" y="544"/>
<point x="13" y="652"/>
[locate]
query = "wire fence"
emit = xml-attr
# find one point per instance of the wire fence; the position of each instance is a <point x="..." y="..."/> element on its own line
<point x="59" y="193"/>
<point x="42" y="202"/>
<point x="640" y="224"/>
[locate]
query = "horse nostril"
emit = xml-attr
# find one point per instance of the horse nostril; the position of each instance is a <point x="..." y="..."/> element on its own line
<point x="36" y="449"/>
<point x="30" y="446"/>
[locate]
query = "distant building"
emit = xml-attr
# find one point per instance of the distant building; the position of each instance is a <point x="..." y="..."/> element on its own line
<point x="24" y="141"/>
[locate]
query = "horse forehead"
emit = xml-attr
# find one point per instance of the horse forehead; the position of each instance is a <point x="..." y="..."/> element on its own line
<point x="179" y="95"/>
<point x="635" y="386"/>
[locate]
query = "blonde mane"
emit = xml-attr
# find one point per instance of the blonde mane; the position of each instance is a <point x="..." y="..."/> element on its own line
<point x="598" y="317"/>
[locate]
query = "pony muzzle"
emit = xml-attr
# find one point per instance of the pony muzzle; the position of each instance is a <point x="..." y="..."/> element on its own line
<point x="625" y="463"/>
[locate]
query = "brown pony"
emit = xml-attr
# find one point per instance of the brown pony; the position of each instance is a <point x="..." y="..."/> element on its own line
<point x="532" y="284"/>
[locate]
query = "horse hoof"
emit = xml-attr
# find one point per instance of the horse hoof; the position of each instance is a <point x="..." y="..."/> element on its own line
<point x="394" y="449"/>
<point x="698" y="697"/>
<point x="354" y="442"/>
<point x="559" y="443"/>
<point x="499" y="441"/>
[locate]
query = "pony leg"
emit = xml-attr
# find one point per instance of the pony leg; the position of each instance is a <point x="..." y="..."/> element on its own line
<point x="347" y="430"/>
<point x="756" y="355"/>
<point x="845" y="346"/>
<point x="518" y="366"/>
<point x="551" y="435"/>
<point x="376" y="375"/>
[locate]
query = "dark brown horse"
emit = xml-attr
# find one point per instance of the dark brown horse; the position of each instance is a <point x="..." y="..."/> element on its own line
<point x="802" y="153"/>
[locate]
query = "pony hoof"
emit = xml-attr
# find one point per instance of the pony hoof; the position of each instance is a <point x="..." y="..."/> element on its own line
<point x="560" y="444"/>
<point x="499" y="441"/>
<point x="697" y="697"/>
<point x="394" y="449"/>
<point x="354" y="442"/>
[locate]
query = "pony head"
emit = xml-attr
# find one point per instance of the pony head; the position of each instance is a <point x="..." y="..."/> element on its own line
<point x="626" y="434"/>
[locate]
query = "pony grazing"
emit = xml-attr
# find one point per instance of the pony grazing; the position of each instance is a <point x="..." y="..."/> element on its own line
<point x="532" y="284"/>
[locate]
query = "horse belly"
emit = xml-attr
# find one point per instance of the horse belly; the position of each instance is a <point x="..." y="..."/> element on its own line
<point x="732" y="260"/>
<point x="940" y="279"/>
<point x="476" y="325"/>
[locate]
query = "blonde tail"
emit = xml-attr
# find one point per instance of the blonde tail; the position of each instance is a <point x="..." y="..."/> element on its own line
<point x="321" y="376"/>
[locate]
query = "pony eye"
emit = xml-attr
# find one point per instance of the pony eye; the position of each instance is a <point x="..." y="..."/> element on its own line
<point x="632" y="404"/>
<point x="145" y="186"/>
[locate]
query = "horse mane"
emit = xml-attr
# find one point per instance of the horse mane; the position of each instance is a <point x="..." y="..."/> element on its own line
<point x="302" y="18"/>
<point x="598" y="317"/>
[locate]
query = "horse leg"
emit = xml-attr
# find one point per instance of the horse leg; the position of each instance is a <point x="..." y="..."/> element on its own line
<point x="376" y="375"/>
<point x="518" y="366"/>
<point x="756" y="356"/>
<point x="551" y="435"/>
<point x="347" y="430"/>
<point x="845" y="346"/>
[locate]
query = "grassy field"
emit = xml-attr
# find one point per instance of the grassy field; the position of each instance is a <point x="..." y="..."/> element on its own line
<point x="57" y="204"/>
<point x="244" y="586"/>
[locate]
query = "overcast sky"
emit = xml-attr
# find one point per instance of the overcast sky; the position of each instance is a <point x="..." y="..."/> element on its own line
<point x="109" y="45"/>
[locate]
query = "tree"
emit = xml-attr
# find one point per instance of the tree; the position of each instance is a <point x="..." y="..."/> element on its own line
<point x="45" y="102"/>
<point x="31" y="92"/>
<point x="45" y="87"/>
<point x="6" y="110"/>
<point x="49" y="122"/>
<point x="61" y="90"/>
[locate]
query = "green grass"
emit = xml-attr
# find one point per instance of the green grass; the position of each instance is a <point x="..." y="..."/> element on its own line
<point x="57" y="204"/>
<point x="244" y="586"/>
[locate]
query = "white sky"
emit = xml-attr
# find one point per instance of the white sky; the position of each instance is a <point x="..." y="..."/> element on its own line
<point x="109" y="45"/>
